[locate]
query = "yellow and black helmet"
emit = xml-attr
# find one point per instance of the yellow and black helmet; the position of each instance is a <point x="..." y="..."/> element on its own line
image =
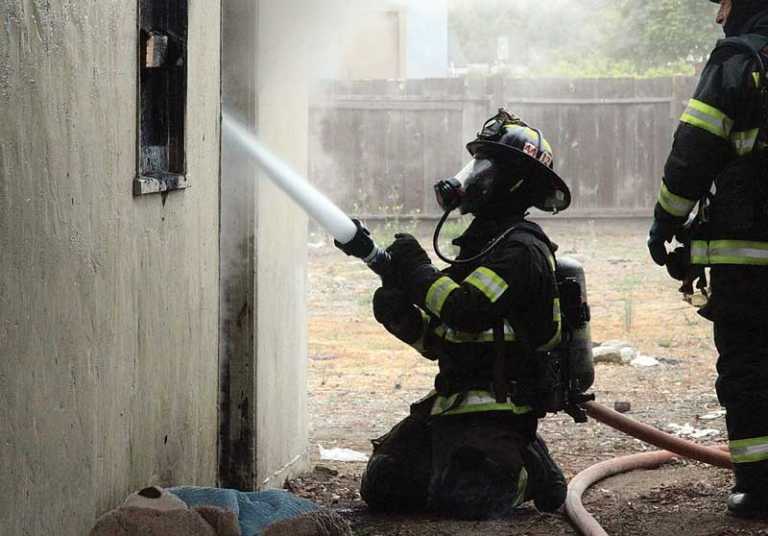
<point x="524" y="156"/>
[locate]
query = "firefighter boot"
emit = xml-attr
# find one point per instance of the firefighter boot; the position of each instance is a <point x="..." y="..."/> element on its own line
<point x="546" y="481"/>
<point x="749" y="497"/>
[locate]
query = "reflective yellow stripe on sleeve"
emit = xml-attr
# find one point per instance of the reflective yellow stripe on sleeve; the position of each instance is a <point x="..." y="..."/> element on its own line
<point x="706" y="117"/>
<point x="749" y="450"/>
<point x="438" y="293"/>
<point x="674" y="204"/>
<point x="744" y="141"/>
<point x="419" y="344"/>
<point x="729" y="252"/>
<point x="488" y="282"/>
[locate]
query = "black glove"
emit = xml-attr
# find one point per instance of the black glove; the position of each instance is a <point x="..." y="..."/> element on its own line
<point x="660" y="233"/>
<point x="407" y="257"/>
<point x="389" y="305"/>
<point x="393" y="309"/>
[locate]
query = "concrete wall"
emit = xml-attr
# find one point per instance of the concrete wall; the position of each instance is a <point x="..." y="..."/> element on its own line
<point x="264" y="346"/>
<point x="108" y="303"/>
<point x="283" y="80"/>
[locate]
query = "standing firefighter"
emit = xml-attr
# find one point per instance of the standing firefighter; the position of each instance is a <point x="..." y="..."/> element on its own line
<point x="492" y="321"/>
<point x="721" y="140"/>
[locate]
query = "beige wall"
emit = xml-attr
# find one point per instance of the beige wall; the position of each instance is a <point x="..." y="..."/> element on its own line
<point x="108" y="303"/>
<point x="264" y="348"/>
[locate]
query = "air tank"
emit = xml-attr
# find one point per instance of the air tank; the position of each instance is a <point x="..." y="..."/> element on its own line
<point x="577" y="339"/>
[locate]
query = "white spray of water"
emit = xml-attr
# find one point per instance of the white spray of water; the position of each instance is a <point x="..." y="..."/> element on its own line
<point x="314" y="202"/>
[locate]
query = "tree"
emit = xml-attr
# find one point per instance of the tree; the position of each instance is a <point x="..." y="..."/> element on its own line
<point x="661" y="32"/>
<point x="584" y="37"/>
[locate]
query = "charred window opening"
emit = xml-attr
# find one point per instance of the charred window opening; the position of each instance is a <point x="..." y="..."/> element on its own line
<point x="162" y="96"/>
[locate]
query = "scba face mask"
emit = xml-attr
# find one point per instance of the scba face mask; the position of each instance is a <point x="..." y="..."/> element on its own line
<point x="469" y="188"/>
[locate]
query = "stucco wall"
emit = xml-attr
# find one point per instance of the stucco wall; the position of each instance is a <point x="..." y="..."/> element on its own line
<point x="108" y="303"/>
<point x="264" y="346"/>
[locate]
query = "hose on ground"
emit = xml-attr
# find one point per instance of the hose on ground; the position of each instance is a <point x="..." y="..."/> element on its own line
<point x="673" y="446"/>
<point x="583" y="520"/>
<point x="656" y="437"/>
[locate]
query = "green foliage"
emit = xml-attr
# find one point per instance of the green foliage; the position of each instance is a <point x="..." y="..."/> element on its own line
<point x="579" y="38"/>
<point x="661" y="32"/>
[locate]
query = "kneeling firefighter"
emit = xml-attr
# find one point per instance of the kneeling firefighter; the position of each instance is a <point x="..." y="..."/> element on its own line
<point x="507" y="354"/>
<point x="719" y="160"/>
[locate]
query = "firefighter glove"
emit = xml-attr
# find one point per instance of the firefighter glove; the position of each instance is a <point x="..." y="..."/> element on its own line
<point x="393" y="310"/>
<point x="407" y="257"/>
<point x="389" y="305"/>
<point x="660" y="233"/>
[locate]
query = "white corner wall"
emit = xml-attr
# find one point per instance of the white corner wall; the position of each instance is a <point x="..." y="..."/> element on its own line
<point x="108" y="303"/>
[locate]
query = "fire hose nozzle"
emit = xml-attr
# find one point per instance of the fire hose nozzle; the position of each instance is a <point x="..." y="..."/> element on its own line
<point x="363" y="247"/>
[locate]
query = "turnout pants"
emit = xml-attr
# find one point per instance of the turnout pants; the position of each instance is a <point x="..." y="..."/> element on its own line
<point x="469" y="466"/>
<point x="740" y="314"/>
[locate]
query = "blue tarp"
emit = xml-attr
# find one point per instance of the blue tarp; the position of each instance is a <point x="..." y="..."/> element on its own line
<point x="255" y="510"/>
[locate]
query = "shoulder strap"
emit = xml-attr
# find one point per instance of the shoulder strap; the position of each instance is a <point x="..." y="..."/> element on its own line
<point x="753" y="45"/>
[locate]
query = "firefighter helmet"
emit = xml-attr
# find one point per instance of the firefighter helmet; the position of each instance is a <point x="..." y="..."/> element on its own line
<point x="523" y="155"/>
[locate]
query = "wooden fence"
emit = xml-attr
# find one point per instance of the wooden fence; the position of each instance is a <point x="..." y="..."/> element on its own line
<point x="377" y="147"/>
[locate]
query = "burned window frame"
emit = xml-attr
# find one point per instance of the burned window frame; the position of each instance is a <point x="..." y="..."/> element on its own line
<point x="161" y="96"/>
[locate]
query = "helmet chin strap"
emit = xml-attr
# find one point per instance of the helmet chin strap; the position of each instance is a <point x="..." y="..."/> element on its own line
<point x="435" y="238"/>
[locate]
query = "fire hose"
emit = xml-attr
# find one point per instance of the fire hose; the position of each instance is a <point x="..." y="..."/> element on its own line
<point x="673" y="447"/>
<point x="349" y="234"/>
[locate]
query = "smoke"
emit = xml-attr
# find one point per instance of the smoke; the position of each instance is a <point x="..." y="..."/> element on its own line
<point x="274" y="57"/>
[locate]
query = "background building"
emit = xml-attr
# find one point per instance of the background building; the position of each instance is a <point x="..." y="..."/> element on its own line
<point x="392" y="39"/>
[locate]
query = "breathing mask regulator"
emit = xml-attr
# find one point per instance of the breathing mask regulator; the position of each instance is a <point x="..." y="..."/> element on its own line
<point x="511" y="168"/>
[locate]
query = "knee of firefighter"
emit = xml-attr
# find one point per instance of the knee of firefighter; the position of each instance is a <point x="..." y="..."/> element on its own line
<point x="387" y="480"/>
<point x="381" y="474"/>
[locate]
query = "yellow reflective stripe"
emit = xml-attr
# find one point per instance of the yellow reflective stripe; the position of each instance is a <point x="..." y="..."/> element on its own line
<point x="729" y="252"/>
<point x="756" y="78"/>
<point x="674" y="204"/>
<point x="473" y="402"/>
<point x="557" y="318"/>
<point x="452" y="335"/>
<point x="754" y="449"/>
<point x="419" y="344"/>
<point x="706" y="117"/>
<point x="438" y="293"/>
<point x="551" y="261"/>
<point x="488" y="282"/>
<point x="522" y="487"/>
<point x="558" y="336"/>
<point x="744" y="141"/>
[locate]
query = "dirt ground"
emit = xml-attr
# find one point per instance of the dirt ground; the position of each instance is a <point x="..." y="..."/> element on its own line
<point x="362" y="381"/>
